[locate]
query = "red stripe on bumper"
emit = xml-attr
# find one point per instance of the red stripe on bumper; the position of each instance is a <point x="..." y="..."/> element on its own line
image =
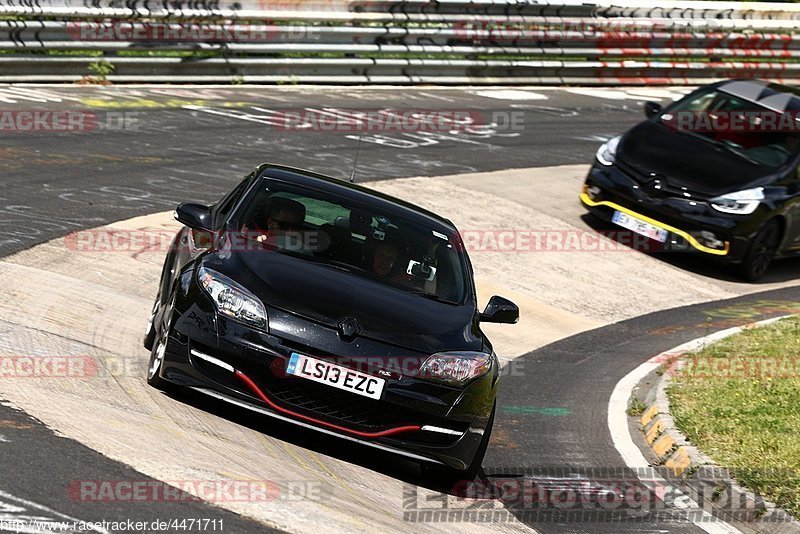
<point x="383" y="433"/>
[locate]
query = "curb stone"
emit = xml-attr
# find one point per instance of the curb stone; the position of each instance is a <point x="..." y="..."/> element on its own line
<point x="690" y="465"/>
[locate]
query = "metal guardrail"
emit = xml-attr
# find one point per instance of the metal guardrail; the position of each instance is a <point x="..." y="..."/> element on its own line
<point x="383" y="41"/>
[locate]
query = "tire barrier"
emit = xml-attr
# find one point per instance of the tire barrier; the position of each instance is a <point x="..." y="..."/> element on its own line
<point x="380" y="41"/>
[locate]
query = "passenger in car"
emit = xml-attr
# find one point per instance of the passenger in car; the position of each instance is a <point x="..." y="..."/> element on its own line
<point x="384" y="258"/>
<point x="389" y="263"/>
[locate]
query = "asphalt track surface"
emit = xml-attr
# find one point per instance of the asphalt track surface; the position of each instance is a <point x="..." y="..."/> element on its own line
<point x="186" y="145"/>
<point x="197" y="143"/>
<point x="581" y="372"/>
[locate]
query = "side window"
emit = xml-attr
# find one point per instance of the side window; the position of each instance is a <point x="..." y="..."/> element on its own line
<point x="223" y="208"/>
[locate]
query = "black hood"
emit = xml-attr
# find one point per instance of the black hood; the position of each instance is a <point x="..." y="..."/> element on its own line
<point x="325" y="295"/>
<point x="682" y="160"/>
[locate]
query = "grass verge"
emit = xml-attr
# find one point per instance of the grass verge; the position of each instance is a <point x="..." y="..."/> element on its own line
<point x="738" y="400"/>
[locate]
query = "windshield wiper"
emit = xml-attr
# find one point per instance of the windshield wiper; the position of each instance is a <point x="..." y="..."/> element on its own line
<point x="337" y="266"/>
<point x="735" y="151"/>
<point x="433" y="296"/>
<point x="728" y="148"/>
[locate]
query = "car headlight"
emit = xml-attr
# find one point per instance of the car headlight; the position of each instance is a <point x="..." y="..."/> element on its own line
<point x="455" y="368"/>
<point x="739" y="203"/>
<point x="232" y="299"/>
<point x="607" y="152"/>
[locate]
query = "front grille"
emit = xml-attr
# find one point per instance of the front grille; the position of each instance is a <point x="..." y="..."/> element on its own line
<point x="352" y="411"/>
<point x="321" y="401"/>
<point x="337" y="406"/>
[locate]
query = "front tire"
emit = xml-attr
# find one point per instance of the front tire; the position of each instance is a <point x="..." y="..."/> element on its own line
<point x="159" y="349"/>
<point x="761" y="252"/>
<point x="150" y="333"/>
<point x="454" y="479"/>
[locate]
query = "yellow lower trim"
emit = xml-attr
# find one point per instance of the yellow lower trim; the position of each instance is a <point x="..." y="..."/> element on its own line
<point x="692" y="241"/>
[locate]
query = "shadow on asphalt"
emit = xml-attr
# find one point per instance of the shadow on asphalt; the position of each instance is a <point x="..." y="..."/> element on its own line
<point x="511" y="489"/>
<point x="782" y="270"/>
<point x="385" y="463"/>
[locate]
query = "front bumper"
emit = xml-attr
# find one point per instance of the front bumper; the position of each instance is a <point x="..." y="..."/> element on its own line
<point x="688" y="221"/>
<point x="415" y="418"/>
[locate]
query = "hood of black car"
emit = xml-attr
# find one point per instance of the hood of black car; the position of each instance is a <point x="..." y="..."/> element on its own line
<point x="682" y="160"/>
<point x="327" y="295"/>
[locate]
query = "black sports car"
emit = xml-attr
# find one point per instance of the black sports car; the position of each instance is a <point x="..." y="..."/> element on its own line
<point x="714" y="172"/>
<point x="333" y="307"/>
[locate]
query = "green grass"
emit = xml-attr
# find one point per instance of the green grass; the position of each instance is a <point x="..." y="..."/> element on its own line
<point x="739" y="401"/>
<point x="635" y="406"/>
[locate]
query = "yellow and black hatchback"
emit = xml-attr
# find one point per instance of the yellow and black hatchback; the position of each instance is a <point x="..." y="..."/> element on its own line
<point x="715" y="172"/>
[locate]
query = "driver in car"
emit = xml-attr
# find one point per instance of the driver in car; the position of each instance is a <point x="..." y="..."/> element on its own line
<point x="283" y="225"/>
<point x="285" y="215"/>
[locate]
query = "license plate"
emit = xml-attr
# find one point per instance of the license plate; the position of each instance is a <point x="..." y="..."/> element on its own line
<point x="335" y="375"/>
<point x="639" y="226"/>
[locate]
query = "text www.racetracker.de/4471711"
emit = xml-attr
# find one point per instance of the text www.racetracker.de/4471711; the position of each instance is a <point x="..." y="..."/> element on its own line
<point x="156" y="525"/>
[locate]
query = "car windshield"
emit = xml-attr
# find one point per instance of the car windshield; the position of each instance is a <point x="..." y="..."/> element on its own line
<point x="385" y="248"/>
<point x="743" y="128"/>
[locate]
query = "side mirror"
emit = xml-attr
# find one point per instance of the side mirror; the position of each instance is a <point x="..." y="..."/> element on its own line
<point x="500" y="310"/>
<point x="195" y="216"/>
<point x="651" y="109"/>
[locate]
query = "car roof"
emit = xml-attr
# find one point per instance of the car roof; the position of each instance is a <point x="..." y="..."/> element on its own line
<point x="354" y="192"/>
<point x="774" y="96"/>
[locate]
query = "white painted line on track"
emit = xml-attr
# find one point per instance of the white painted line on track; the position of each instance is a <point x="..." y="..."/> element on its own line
<point x="655" y="93"/>
<point x="511" y="94"/>
<point x="620" y="432"/>
<point x="610" y="94"/>
<point x="641" y="94"/>
<point x="11" y="93"/>
<point x="437" y="97"/>
<point x="4" y="97"/>
<point x="599" y="138"/>
<point x="39" y="93"/>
